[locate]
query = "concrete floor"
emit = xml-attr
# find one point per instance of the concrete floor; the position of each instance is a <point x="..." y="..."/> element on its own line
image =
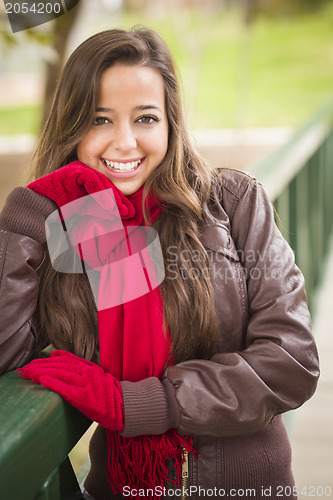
<point x="311" y="428"/>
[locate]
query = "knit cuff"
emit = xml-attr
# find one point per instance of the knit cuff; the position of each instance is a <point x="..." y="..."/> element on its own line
<point x="150" y="407"/>
<point x="25" y="212"/>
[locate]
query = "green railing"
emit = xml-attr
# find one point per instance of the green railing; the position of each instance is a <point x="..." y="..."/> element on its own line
<point x="38" y="429"/>
<point x="299" y="180"/>
<point x="37" y="432"/>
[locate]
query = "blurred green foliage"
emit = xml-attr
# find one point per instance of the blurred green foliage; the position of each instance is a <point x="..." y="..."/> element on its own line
<point x="275" y="72"/>
<point x="288" y="7"/>
<point x="20" y="120"/>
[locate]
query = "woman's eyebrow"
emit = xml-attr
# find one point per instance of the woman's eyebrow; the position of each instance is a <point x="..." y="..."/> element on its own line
<point x="104" y="110"/>
<point x="142" y="107"/>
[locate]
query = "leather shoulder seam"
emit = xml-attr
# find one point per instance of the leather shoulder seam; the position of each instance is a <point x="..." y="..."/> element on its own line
<point x="245" y="181"/>
<point x="243" y="184"/>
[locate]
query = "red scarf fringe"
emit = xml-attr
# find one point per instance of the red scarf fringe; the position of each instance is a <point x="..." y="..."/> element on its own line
<point x="139" y="462"/>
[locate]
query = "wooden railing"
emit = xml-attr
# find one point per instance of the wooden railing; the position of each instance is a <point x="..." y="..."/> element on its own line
<point x="37" y="432"/>
<point x="38" y="429"/>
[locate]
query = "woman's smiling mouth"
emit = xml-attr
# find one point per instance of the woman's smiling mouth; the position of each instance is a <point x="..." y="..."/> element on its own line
<point x="122" y="167"/>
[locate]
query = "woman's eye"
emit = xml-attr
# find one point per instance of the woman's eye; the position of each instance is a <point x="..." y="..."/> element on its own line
<point x="101" y="120"/>
<point x="147" y="119"/>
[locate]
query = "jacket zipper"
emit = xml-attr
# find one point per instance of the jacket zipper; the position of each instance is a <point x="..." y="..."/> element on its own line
<point x="184" y="473"/>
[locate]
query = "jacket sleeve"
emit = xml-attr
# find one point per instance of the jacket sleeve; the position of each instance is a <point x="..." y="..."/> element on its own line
<point x="239" y="392"/>
<point x="22" y="233"/>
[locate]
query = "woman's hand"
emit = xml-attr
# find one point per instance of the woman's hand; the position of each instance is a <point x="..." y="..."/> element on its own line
<point x="84" y="384"/>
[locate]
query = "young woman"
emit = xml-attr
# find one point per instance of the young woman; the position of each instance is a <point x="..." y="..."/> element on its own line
<point x="188" y="381"/>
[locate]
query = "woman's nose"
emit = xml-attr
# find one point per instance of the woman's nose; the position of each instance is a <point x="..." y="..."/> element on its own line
<point x="124" y="138"/>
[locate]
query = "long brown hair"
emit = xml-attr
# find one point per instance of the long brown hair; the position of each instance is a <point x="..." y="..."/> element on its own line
<point x="183" y="181"/>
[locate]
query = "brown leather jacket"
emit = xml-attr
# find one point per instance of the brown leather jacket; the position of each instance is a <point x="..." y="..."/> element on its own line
<point x="267" y="362"/>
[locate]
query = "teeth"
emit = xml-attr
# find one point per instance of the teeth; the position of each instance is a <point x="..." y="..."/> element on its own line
<point x="122" y="167"/>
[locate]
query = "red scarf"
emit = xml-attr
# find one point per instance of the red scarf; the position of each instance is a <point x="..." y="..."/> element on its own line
<point x="133" y="344"/>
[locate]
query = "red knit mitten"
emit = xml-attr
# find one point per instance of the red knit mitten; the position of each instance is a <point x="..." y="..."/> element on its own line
<point x="75" y="180"/>
<point x="83" y="384"/>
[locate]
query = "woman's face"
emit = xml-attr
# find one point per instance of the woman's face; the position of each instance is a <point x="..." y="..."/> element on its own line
<point x="129" y="136"/>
